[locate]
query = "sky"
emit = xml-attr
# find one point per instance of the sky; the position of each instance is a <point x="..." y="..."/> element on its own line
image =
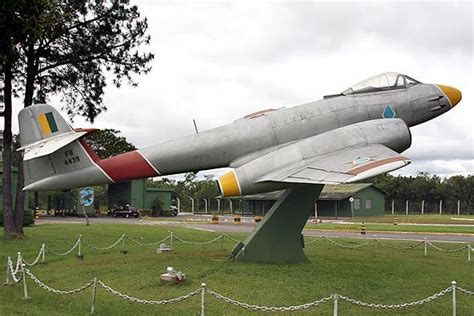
<point x="216" y="61"/>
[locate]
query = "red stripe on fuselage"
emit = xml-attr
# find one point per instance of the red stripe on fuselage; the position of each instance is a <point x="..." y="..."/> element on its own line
<point x="127" y="166"/>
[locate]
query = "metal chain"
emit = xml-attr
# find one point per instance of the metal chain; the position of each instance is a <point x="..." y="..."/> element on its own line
<point x="267" y="308"/>
<point x="465" y="291"/>
<point x="14" y="272"/>
<point x="447" y="250"/>
<point x="88" y="244"/>
<point x="64" y="253"/>
<point x="38" y="257"/>
<point x="400" y="248"/>
<point x="310" y="242"/>
<point x="347" y="246"/>
<point x="55" y="291"/>
<point x="394" y="306"/>
<point x="146" y="302"/>
<point x="230" y="238"/>
<point x="197" y="243"/>
<point x="148" y="244"/>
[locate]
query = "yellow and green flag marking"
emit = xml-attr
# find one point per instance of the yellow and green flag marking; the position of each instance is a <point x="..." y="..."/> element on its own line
<point x="47" y="123"/>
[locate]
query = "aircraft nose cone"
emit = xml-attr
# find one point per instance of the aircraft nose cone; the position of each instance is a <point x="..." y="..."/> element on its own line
<point x="453" y="94"/>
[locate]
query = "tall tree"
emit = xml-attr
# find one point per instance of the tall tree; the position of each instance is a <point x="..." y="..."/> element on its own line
<point x="67" y="48"/>
<point x="107" y="143"/>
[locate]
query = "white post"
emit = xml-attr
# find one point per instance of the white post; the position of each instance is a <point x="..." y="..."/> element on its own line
<point x="469" y="249"/>
<point x="7" y="281"/>
<point x="393" y="207"/>
<point x="25" y="288"/>
<point x="454" y="297"/>
<point x="205" y="205"/>
<point x="192" y="205"/>
<point x="179" y="204"/>
<point x="316" y="212"/>
<point x="231" y="208"/>
<point x="422" y="207"/>
<point x="426" y="246"/>
<point x="171" y="240"/>
<point x="79" y="251"/>
<point x="459" y="207"/>
<point x="406" y="207"/>
<point x="123" y="251"/>
<point x="440" y="207"/>
<point x="94" y="294"/>
<point x="203" y="297"/>
<point x="43" y="250"/>
<point x="335" y="298"/>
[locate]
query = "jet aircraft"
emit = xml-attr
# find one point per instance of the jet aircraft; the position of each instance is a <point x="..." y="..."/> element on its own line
<point x="344" y="138"/>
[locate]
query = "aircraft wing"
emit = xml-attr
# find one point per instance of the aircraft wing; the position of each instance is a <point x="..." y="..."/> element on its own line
<point x="341" y="166"/>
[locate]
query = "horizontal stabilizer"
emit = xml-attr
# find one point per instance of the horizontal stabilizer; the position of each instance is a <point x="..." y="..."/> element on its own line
<point x="50" y="145"/>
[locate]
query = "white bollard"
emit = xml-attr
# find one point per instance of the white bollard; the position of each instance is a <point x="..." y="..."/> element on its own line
<point x="459" y="207"/>
<point x="422" y="207"/>
<point x="426" y="248"/>
<point x="43" y="250"/>
<point x="171" y="240"/>
<point x="335" y="298"/>
<point x="25" y="288"/>
<point x="203" y="297"/>
<point x="7" y="281"/>
<point x="94" y="295"/>
<point x="79" y="251"/>
<point x="406" y="207"/>
<point x="393" y="207"/>
<point x="469" y="249"/>
<point x="440" y="207"/>
<point x="454" y="297"/>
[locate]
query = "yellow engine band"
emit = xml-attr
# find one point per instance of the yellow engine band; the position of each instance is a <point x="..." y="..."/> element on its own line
<point x="229" y="185"/>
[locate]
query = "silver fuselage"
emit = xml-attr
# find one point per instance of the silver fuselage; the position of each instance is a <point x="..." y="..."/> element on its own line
<point x="245" y="139"/>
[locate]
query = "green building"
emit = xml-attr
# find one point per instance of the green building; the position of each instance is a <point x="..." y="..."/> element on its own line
<point x="137" y="194"/>
<point x="334" y="201"/>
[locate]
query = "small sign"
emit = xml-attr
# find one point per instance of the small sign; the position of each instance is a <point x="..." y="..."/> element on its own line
<point x="351" y="199"/>
<point x="86" y="196"/>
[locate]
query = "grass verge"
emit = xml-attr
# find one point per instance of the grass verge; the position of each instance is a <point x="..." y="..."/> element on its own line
<point x="381" y="275"/>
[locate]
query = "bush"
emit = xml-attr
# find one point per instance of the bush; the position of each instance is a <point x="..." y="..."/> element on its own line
<point x="28" y="218"/>
<point x="157" y="207"/>
<point x="145" y="212"/>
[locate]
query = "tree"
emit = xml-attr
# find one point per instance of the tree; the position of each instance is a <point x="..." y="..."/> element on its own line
<point x="106" y="143"/>
<point x="65" y="46"/>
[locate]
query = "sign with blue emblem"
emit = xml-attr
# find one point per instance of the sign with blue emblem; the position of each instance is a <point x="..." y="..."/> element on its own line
<point x="86" y="196"/>
<point x="388" y="112"/>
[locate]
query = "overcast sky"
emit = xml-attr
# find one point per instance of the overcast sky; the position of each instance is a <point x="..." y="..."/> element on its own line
<point x="217" y="61"/>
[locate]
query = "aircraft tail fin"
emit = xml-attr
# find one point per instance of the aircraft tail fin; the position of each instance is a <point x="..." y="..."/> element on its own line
<point x="55" y="156"/>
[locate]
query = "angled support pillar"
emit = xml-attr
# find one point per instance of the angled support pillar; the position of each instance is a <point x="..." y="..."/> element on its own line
<point x="278" y="238"/>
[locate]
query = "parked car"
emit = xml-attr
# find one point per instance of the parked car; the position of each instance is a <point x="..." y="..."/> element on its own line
<point x="125" y="211"/>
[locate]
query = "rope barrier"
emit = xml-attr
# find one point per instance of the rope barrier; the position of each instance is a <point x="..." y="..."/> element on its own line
<point x="204" y="289"/>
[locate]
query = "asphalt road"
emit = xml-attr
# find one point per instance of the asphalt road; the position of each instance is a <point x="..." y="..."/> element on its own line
<point x="226" y="226"/>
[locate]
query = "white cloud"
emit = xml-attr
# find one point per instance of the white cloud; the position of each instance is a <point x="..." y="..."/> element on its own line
<point x="217" y="61"/>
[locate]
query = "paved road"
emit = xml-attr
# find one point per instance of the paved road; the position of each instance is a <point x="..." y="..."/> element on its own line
<point x="247" y="226"/>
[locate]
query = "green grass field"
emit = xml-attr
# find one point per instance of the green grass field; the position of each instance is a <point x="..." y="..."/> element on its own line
<point x="380" y="276"/>
<point x="392" y="228"/>
<point x="420" y="219"/>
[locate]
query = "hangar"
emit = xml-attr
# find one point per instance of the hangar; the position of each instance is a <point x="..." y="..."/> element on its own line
<point x="333" y="201"/>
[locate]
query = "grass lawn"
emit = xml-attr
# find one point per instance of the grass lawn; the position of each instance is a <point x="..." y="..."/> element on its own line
<point x="419" y="219"/>
<point x="381" y="276"/>
<point x="392" y="228"/>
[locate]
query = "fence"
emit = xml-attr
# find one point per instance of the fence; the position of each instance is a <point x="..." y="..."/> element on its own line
<point x="21" y="271"/>
<point x="425" y="207"/>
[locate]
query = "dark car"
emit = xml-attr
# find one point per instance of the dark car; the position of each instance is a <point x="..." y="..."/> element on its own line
<point x="125" y="211"/>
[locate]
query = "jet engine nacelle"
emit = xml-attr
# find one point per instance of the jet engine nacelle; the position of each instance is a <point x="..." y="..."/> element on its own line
<point x="246" y="179"/>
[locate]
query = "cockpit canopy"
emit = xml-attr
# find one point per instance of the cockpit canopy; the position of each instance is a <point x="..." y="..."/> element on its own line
<point x="383" y="82"/>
